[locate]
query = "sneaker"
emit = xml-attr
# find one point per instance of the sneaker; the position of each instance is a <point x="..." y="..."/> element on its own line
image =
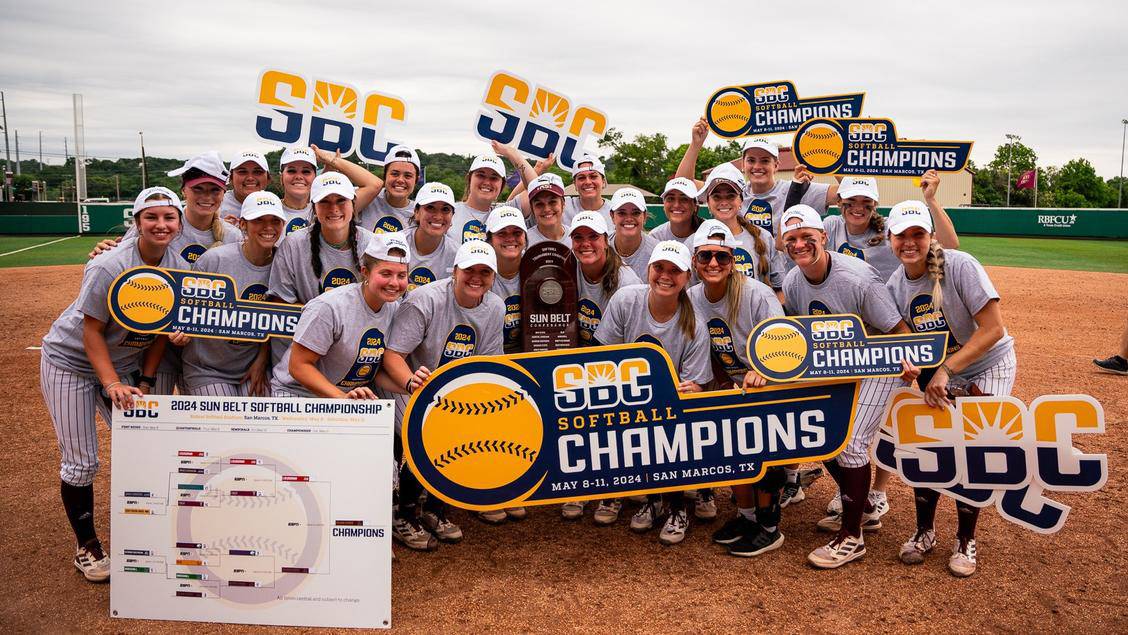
<point x="92" y="561"/>
<point x="412" y="536"/>
<point x="835" y="505"/>
<point x="643" y="520"/>
<point x="1116" y="365"/>
<point x="915" y="548"/>
<point x="837" y="552"/>
<point x="962" y="562"/>
<point x="792" y="493"/>
<point x="494" y="517"/>
<point x="705" y="507"/>
<point x="735" y="529"/>
<point x="674" y="530"/>
<point x="832" y="523"/>
<point x="444" y="530"/>
<point x="608" y="512"/>
<point x="572" y="510"/>
<point x="879" y="501"/>
<point x="755" y="544"/>
<point x="516" y="513"/>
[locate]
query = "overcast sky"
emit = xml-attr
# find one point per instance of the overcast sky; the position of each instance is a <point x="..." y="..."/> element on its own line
<point x="185" y="73"/>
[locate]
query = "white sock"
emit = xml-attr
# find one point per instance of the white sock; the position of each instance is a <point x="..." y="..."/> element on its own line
<point x="749" y="513"/>
<point x="792" y="474"/>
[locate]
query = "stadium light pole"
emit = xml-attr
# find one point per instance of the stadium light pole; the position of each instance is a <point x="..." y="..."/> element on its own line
<point x="1011" y="138"/>
<point x="144" y="167"/>
<point x="1124" y="131"/>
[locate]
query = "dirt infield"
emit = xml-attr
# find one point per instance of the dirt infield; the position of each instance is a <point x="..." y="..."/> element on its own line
<point x="545" y="574"/>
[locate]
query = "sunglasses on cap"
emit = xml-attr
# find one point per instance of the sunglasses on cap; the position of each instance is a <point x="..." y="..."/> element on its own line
<point x="704" y="257"/>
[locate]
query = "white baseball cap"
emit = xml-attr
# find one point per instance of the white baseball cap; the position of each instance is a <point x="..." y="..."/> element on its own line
<point x="858" y="186"/>
<point x="760" y="143"/>
<point x="435" y="192"/>
<point x="142" y="201"/>
<point x="251" y="156"/>
<point x="592" y="220"/>
<point x="723" y="174"/>
<point x="807" y="216"/>
<point x="210" y="163"/>
<point x="547" y="182"/>
<point x="681" y="184"/>
<point x="596" y="165"/>
<point x="909" y="214"/>
<point x="328" y="183"/>
<point x="294" y="154"/>
<point x="380" y="246"/>
<point x="671" y="251"/>
<point x="504" y="216"/>
<point x="475" y="252"/>
<point x="402" y="153"/>
<point x="711" y="227"/>
<point x="259" y="204"/>
<point x="489" y="161"/>
<point x="628" y="195"/>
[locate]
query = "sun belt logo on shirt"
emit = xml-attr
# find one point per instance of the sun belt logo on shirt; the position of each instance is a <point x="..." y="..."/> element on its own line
<point x="818" y="308"/>
<point x="473" y="230"/>
<point x="759" y="213"/>
<point x="743" y="262"/>
<point x="720" y="341"/>
<point x="923" y="317"/>
<point x="648" y="338"/>
<point x="337" y="277"/>
<point x="369" y="354"/>
<point x="255" y="292"/>
<point x="388" y="225"/>
<point x="419" y="277"/>
<point x="588" y="315"/>
<point x="850" y="250"/>
<point x="295" y="224"/>
<point x="460" y="343"/>
<point x="191" y="253"/>
<point x="512" y="330"/>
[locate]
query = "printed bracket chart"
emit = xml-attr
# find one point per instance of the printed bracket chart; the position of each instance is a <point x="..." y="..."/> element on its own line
<point x="253" y="511"/>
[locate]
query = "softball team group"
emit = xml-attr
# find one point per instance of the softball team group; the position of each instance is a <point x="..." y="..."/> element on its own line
<point x="396" y="282"/>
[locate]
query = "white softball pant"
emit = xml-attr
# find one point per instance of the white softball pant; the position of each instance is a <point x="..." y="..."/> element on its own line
<point x="873" y="395"/>
<point x="997" y="379"/>
<point x="219" y="390"/>
<point x="73" y="400"/>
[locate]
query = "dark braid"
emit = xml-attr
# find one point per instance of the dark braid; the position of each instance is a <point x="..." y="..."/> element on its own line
<point x="315" y="245"/>
<point x="877" y="224"/>
<point x="353" y="244"/>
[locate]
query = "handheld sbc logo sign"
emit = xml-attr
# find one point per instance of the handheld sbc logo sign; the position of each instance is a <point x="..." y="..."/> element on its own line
<point x="537" y="120"/>
<point x="744" y="111"/>
<point x="538" y="428"/>
<point x="995" y="451"/>
<point x="836" y="347"/>
<point x="196" y="303"/>
<point x="330" y="115"/>
<point x="870" y="147"/>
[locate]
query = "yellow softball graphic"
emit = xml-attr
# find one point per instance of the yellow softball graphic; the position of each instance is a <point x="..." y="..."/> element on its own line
<point x="145" y="298"/>
<point x="730" y="111"/>
<point x="781" y="348"/>
<point x="482" y="432"/>
<point x="820" y="146"/>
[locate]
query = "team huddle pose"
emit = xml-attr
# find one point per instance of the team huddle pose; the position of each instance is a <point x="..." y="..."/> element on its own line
<point x="395" y="282"/>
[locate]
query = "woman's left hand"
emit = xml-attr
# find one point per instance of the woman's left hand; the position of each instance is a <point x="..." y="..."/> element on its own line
<point x="910" y="373"/>
<point x="178" y="338"/>
<point x="361" y="393"/>
<point x="802" y="174"/>
<point x="752" y="379"/>
<point x="689" y="386"/>
<point x="936" y="393"/>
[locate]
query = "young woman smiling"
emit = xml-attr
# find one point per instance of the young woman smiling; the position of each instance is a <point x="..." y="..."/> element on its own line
<point x="679" y="202"/>
<point x="723" y="194"/>
<point x="249" y="173"/>
<point x="432" y="249"/>
<point x="298" y="168"/>
<point x="392" y="209"/>
<point x="630" y="240"/>
<point x="546" y="198"/>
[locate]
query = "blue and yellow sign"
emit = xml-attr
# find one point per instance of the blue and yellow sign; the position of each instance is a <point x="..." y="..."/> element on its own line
<point x="870" y="147"/>
<point x="538" y="121"/>
<point x="773" y="107"/>
<point x="995" y="450"/>
<point x="537" y="428"/>
<point x="196" y="303"/>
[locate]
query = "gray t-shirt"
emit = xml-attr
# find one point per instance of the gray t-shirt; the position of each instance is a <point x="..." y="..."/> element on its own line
<point x="729" y="340"/>
<point x="533" y="236"/>
<point x="966" y="290"/>
<point x="664" y="232"/>
<point x="349" y="336"/>
<point x="214" y="361"/>
<point x="468" y="223"/>
<point x="230" y="206"/>
<point x="593" y="301"/>
<point x="852" y="286"/>
<point x="191" y="243"/>
<point x="766" y="210"/>
<point x="426" y="268"/>
<point x="298" y="218"/>
<point x="628" y="319"/>
<point x="640" y="259"/>
<point x="63" y="346"/>
<point x="292" y="278"/>
<point x="432" y="329"/>
<point x="509" y="290"/>
<point x="572" y="207"/>
<point x="880" y="256"/>
<point x="380" y="216"/>
<point x="747" y="261"/>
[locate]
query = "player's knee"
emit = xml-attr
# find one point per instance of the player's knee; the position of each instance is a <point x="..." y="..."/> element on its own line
<point x="852" y="458"/>
<point x="78" y="474"/>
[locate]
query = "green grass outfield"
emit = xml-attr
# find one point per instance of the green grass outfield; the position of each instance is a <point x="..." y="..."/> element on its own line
<point x="1043" y="253"/>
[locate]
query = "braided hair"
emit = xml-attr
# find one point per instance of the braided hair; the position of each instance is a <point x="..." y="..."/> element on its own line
<point x="315" y="245"/>
<point x="935" y="263"/>
<point x="877" y="224"/>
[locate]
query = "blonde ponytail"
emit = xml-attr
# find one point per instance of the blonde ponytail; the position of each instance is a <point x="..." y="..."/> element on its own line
<point x="687" y="322"/>
<point x="935" y="263"/>
<point x="217" y="230"/>
<point x="734" y="289"/>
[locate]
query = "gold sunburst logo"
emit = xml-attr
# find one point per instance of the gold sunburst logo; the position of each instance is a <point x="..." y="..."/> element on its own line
<point x="334" y="100"/>
<point x="992" y="422"/>
<point x="549" y="107"/>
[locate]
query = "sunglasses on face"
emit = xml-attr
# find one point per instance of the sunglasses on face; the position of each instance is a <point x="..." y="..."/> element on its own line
<point x="705" y="257"/>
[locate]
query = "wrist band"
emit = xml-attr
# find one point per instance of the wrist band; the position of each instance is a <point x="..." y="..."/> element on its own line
<point x="947" y="370"/>
<point x="107" y="388"/>
<point x="407" y="386"/>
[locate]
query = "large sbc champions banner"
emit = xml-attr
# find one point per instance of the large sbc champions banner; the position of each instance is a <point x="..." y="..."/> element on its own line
<point x="537" y="428"/>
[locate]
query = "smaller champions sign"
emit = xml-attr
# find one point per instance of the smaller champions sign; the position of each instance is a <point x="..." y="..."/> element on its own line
<point x="742" y="111"/>
<point x="836" y="347"/>
<point x="196" y="303"/>
<point x="994" y="450"/>
<point x="870" y="147"/>
<point x="330" y="115"/>
<point x="537" y="120"/>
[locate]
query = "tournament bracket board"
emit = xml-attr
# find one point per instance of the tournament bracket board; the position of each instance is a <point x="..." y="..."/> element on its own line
<point x="252" y="511"/>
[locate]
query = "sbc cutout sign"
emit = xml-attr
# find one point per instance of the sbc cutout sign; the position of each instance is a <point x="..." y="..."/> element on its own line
<point x="995" y="451"/>
<point x="870" y="147"/>
<point x="773" y="107"/>
<point x="813" y="347"/>
<point x="333" y="116"/>
<point x="536" y="428"/>
<point x="537" y="120"/>
<point x="197" y="303"/>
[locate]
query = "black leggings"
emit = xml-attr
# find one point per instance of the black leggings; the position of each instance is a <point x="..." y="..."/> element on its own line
<point x="410" y="490"/>
<point x="926" y="502"/>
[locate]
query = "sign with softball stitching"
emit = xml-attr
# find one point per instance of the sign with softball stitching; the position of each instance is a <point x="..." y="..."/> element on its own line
<point x="814" y="347"/>
<point x="870" y="147"/>
<point x="197" y="303"/>
<point x="995" y="450"/>
<point x="772" y="107"/>
<point x="537" y="428"/>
